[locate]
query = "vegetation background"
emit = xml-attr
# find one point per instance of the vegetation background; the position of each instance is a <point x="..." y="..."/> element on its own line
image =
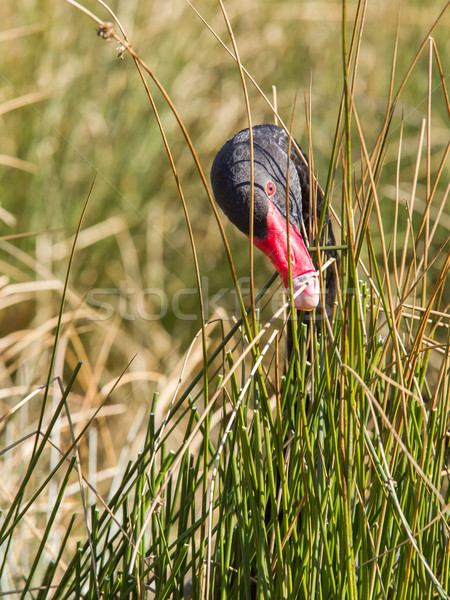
<point x="72" y="108"/>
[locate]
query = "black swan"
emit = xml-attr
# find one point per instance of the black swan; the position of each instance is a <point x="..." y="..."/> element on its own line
<point x="231" y="184"/>
<point x="230" y="179"/>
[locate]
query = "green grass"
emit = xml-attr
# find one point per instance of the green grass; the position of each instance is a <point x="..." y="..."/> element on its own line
<point x="144" y="454"/>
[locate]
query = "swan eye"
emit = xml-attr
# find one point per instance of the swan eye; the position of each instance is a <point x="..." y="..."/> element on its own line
<point x="270" y="188"/>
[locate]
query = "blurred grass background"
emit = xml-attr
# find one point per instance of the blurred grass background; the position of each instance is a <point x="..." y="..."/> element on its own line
<point x="69" y="107"/>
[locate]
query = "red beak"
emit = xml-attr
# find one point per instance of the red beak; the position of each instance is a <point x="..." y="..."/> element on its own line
<point x="274" y="246"/>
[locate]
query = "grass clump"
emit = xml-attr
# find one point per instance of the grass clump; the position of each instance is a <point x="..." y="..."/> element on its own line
<point x="203" y="468"/>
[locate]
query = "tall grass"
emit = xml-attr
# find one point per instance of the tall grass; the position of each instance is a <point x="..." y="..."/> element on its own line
<point x="187" y="459"/>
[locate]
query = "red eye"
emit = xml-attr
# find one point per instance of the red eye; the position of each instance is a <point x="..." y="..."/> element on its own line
<point x="270" y="188"/>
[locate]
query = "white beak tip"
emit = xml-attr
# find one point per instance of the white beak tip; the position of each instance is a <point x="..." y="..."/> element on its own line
<point x="306" y="292"/>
